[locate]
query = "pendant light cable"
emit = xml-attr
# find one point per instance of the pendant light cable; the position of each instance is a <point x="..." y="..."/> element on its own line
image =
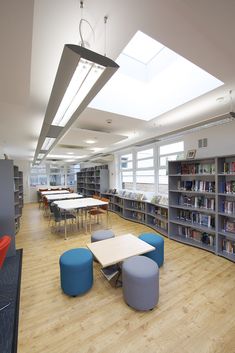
<point x="105" y="34"/>
<point x="83" y="43"/>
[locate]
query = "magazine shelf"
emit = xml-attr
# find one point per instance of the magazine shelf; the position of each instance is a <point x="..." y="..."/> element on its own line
<point x="144" y="212"/>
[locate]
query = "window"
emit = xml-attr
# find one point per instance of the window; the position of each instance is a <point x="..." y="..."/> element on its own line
<point x="57" y="175"/>
<point x="38" y="176"/>
<point x="145" y="178"/>
<point x="126" y="171"/>
<point x="169" y="152"/>
<point x="72" y="174"/>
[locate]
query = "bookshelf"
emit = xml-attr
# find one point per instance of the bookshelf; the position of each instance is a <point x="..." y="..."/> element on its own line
<point x="226" y="207"/>
<point x="93" y="181"/>
<point x="10" y="201"/>
<point x="202" y="204"/>
<point x="144" y="212"/>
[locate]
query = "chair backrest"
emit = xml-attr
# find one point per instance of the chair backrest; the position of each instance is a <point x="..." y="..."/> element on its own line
<point x="104" y="207"/>
<point x="96" y="196"/>
<point x="56" y="212"/>
<point x="4" y="245"/>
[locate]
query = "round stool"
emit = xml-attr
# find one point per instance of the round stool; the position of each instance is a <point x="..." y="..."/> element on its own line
<point x="157" y="241"/>
<point x="140" y="281"/>
<point x="101" y="235"/>
<point x="76" y="271"/>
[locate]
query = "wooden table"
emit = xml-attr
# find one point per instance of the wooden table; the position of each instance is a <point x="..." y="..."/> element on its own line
<point x="111" y="252"/>
<point x="83" y="203"/>
<point x="114" y="250"/>
<point x="67" y="196"/>
<point x="52" y="192"/>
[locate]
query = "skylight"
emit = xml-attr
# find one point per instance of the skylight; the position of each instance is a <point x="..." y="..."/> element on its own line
<point x="152" y="80"/>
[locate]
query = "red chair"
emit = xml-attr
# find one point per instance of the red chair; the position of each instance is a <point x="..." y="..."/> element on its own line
<point x="4" y="245"/>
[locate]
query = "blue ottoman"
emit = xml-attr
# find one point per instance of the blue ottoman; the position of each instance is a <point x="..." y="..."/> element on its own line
<point x="157" y="241"/>
<point x="76" y="271"/>
<point x="101" y="235"/>
<point x="140" y="282"/>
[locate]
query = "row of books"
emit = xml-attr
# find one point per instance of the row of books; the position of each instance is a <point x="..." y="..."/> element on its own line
<point x="229" y="225"/>
<point x="197" y="201"/>
<point x="137" y="205"/>
<point x="138" y="216"/>
<point x="158" y="211"/>
<point x="196" y="235"/>
<point x="229" y="168"/>
<point x="228" y="246"/>
<point x="227" y="186"/>
<point x="197" y="218"/>
<point x="196" y="185"/>
<point x="228" y="207"/>
<point x="160" y="224"/>
<point x="197" y="168"/>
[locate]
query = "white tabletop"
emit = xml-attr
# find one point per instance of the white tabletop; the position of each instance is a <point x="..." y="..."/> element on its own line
<point x="80" y="203"/>
<point x="71" y="195"/>
<point x="51" y="192"/>
<point x="111" y="251"/>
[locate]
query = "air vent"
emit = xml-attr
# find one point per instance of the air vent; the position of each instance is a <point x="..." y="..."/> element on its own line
<point x="202" y="143"/>
<point x="72" y="147"/>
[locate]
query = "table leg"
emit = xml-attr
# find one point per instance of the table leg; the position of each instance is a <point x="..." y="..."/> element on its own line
<point x="65" y="227"/>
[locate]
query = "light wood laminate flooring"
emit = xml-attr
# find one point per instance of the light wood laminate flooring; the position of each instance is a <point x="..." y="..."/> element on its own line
<point x="195" y="313"/>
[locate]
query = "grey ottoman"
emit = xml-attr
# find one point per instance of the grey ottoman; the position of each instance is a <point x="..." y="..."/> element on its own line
<point x="140" y="281"/>
<point x="101" y="235"/>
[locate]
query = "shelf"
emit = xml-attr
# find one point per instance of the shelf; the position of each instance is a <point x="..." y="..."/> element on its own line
<point x="194" y="226"/>
<point x="227" y="234"/>
<point x="229" y="215"/>
<point x="226" y="194"/>
<point x="193" y="242"/>
<point x="203" y="210"/>
<point x="193" y="192"/>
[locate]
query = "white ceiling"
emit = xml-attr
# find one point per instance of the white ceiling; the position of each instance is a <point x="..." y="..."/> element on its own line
<point x="32" y="36"/>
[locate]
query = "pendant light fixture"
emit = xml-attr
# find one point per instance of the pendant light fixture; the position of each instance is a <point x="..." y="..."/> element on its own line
<point x="80" y="76"/>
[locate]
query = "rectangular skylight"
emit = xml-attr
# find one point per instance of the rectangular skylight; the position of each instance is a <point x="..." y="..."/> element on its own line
<point x="151" y="81"/>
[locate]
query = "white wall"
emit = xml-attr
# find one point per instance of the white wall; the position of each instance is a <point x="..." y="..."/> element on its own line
<point x="221" y="141"/>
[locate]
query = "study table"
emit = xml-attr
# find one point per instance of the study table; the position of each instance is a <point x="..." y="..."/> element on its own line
<point x="114" y="250"/>
<point x="82" y="203"/>
<point x="67" y="196"/>
<point x="52" y="192"/>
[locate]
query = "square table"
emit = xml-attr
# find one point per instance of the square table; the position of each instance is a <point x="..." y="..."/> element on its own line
<point x="114" y="250"/>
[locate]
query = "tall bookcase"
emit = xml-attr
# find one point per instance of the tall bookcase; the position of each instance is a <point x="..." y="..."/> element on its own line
<point x="202" y="204"/>
<point x="94" y="180"/>
<point x="8" y="202"/>
<point x="145" y="212"/>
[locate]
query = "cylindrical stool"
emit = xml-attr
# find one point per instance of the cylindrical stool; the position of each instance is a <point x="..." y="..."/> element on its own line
<point x="157" y="241"/>
<point x="101" y="235"/>
<point x="76" y="271"/>
<point x="140" y="281"/>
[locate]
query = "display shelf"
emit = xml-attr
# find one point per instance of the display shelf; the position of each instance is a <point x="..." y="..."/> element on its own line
<point x="144" y="212"/>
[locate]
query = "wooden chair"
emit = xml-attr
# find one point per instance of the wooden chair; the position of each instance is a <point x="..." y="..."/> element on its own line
<point x="98" y="211"/>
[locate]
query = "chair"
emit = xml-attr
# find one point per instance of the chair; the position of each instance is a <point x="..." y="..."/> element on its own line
<point x="4" y="245"/>
<point x="97" y="211"/>
<point x="61" y="216"/>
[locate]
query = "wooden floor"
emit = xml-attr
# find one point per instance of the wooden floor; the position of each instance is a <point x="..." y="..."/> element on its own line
<point x="195" y="313"/>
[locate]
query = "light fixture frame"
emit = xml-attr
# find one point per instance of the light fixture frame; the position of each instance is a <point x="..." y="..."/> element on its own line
<point x="69" y="61"/>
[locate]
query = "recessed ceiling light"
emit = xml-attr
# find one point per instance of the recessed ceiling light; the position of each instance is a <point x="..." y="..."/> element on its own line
<point x="70" y="152"/>
<point x="219" y="99"/>
<point x="90" y="141"/>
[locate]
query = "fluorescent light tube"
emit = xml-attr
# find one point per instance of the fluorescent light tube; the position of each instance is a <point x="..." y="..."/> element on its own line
<point x="47" y="143"/>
